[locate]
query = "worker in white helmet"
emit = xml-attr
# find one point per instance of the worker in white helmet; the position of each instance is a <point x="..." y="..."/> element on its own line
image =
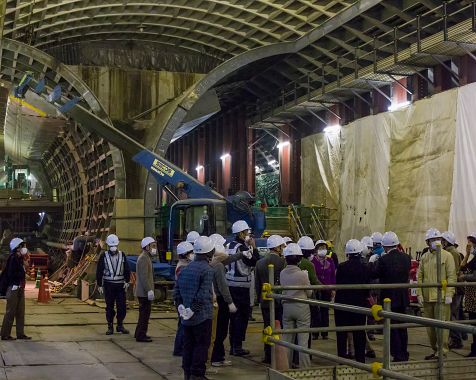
<point x="185" y="256"/>
<point x="427" y="273"/>
<point x="224" y="301"/>
<point x="112" y="277"/>
<point x="394" y="268"/>
<point x="275" y="245"/>
<point x="144" y="289"/>
<point x="12" y="284"/>
<point x="192" y="236"/>
<point x="352" y="271"/>
<point x="239" y="277"/>
<point x="193" y="294"/>
<point x="296" y="314"/>
<point x="448" y="242"/>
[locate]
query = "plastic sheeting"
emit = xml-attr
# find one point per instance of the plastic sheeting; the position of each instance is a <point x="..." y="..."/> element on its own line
<point x="394" y="171"/>
<point x="364" y="177"/>
<point x="463" y="205"/>
<point x="421" y="167"/>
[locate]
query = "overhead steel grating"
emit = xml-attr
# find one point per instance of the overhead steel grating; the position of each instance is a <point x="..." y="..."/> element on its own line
<point x="218" y="28"/>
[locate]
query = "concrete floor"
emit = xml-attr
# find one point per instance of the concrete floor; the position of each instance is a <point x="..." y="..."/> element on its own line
<point x="69" y="342"/>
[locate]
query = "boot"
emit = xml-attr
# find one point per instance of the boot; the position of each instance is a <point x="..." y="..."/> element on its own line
<point x="121" y="329"/>
<point x="110" y="329"/>
<point x="472" y="354"/>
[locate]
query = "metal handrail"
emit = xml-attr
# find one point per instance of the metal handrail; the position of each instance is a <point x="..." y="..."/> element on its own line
<point x="294" y="222"/>
<point x="373" y="286"/>
<point x="375" y="311"/>
<point x="340" y="360"/>
<point x="320" y="228"/>
<point x="430" y="322"/>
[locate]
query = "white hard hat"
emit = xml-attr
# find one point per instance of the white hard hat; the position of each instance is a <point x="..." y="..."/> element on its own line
<point x="390" y="239"/>
<point x="449" y="237"/>
<point x="218" y="239"/>
<point x="274" y="241"/>
<point x="184" y="247"/>
<point x="377" y="238"/>
<point x="14" y="243"/>
<point x="472" y="235"/>
<point x="287" y="239"/>
<point x="146" y="241"/>
<point x="203" y="245"/>
<point x="367" y="241"/>
<point x="432" y="233"/>
<point x="305" y="242"/>
<point x="353" y="246"/>
<point x="112" y="240"/>
<point x="239" y="226"/>
<point x="292" y="249"/>
<point x="320" y="242"/>
<point x="192" y="236"/>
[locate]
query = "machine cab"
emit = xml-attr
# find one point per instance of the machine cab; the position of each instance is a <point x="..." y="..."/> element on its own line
<point x="206" y="216"/>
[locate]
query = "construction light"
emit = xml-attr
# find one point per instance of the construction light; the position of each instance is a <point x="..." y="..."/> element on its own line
<point x="283" y="144"/>
<point x="225" y="156"/>
<point x="199" y="167"/>
<point x="397" y="106"/>
<point x="332" y="128"/>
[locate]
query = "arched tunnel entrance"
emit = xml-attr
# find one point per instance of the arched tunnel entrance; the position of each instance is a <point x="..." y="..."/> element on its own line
<point x="57" y="179"/>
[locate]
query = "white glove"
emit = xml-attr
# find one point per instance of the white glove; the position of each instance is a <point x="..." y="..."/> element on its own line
<point x="187" y="314"/>
<point x="232" y="308"/>
<point x="181" y="310"/>
<point x="420" y="300"/>
<point x="126" y="286"/>
<point x="14" y="287"/>
<point x="448" y="300"/>
<point x="101" y="290"/>
<point x="150" y="295"/>
<point x="248" y="254"/>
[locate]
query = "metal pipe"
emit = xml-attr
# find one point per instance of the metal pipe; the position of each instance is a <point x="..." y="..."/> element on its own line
<point x="386" y="336"/>
<point x="272" y="316"/>
<point x="356" y="328"/>
<point x="339" y="360"/>
<point x="372" y="286"/>
<point x="382" y="313"/>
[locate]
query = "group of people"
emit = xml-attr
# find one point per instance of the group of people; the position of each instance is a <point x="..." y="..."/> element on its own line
<point x="216" y="283"/>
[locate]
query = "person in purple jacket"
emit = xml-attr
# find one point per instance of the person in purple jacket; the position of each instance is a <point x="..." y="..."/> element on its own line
<point x="326" y="274"/>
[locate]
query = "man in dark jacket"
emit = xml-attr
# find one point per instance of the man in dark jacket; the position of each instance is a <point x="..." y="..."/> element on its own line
<point x="194" y="297"/>
<point x="239" y="277"/>
<point x="13" y="279"/>
<point x="112" y="277"/>
<point x="393" y="267"/>
<point x="275" y="244"/>
<point x="352" y="271"/>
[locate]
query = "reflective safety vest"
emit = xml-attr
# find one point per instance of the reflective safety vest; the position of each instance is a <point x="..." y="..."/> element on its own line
<point x="114" y="273"/>
<point x="239" y="274"/>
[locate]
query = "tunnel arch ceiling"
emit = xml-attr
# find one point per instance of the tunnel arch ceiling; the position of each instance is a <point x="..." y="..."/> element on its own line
<point x="86" y="171"/>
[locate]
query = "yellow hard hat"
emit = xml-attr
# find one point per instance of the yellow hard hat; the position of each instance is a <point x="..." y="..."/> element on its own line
<point x="265" y="234"/>
<point x="330" y="243"/>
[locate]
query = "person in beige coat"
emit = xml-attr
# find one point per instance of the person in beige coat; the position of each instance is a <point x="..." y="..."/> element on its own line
<point x="427" y="273"/>
<point x="144" y="289"/>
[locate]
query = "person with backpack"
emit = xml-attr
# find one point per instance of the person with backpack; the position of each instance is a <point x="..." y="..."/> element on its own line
<point x="13" y="286"/>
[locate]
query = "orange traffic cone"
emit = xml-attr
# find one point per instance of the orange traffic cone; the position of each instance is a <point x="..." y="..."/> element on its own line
<point x="44" y="295"/>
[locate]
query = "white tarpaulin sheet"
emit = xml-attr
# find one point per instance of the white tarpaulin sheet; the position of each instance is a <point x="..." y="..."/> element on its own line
<point x="364" y="177"/>
<point x="394" y="171"/>
<point x="421" y="167"/>
<point x="463" y="205"/>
